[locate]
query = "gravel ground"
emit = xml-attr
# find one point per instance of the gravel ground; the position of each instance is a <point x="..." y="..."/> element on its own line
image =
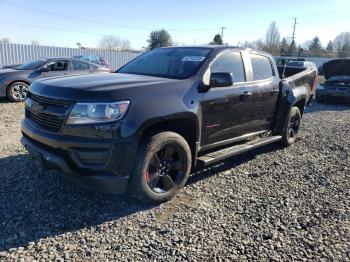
<point x="270" y="204"/>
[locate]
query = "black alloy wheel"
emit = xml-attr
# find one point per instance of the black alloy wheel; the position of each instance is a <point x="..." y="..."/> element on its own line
<point x="166" y="170"/>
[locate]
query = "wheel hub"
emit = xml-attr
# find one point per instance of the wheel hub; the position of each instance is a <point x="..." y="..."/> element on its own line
<point x="164" y="167"/>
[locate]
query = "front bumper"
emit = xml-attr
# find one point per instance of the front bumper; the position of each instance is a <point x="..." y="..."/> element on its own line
<point x="3" y="87"/>
<point x="97" y="164"/>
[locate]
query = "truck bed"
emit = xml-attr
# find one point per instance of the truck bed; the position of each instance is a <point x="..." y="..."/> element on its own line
<point x="297" y="77"/>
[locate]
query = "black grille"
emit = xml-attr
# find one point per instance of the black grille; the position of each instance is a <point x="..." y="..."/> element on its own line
<point x="52" y="114"/>
<point x="46" y="100"/>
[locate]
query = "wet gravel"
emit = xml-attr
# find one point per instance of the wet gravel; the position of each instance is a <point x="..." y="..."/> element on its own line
<point x="273" y="203"/>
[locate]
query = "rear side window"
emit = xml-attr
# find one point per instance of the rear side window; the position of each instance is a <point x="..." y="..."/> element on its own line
<point x="262" y="68"/>
<point x="229" y="62"/>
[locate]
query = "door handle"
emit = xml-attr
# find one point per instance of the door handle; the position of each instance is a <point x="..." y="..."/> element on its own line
<point x="274" y="91"/>
<point x="246" y="95"/>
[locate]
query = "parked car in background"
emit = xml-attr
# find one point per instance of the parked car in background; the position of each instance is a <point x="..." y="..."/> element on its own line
<point x="146" y="125"/>
<point x="14" y="82"/>
<point x="337" y="85"/>
<point x="94" y="59"/>
<point x="283" y="60"/>
<point x="302" y="64"/>
<point x="11" y="66"/>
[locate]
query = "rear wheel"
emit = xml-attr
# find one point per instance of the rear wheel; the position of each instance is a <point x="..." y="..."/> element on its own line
<point x="292" y="128"/>
<point x="162" y="167"/>
<point x="17" y="91"/>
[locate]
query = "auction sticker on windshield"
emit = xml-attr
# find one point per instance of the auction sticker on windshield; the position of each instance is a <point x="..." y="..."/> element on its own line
<point x="193" y="58"/>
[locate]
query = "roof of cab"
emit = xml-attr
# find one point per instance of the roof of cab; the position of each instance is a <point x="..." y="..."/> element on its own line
<point x="222" y="47"/>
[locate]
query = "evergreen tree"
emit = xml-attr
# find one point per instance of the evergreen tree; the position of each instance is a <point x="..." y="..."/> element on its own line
<point x="160" y="38"/>
<point x="284" y="46"/>
<point x="315" y="45"/>
<point x="217" y="40"/>
<point x="330" y="47"/>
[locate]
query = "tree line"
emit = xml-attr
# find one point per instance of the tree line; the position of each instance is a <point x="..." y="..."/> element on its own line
<point x="272" y="43"/>
<point x="339" y="47"/>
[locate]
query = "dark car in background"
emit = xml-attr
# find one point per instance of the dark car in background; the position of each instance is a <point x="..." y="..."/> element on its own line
<point x="93" y="59"/>
<point x="14" y="82"/>
<point x="337" y="85"/>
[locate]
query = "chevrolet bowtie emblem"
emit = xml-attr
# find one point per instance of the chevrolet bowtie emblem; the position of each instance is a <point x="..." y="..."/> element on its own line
<point x="36" y="107"/>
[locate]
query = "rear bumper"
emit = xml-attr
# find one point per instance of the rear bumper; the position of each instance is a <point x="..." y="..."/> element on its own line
<point x="101" y="182"/>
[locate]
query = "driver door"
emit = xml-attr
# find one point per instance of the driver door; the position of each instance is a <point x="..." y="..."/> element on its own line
<point x="56" y="68"/>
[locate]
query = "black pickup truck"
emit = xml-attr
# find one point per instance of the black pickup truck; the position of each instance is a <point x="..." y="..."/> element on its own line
<point x="144" y="127"/>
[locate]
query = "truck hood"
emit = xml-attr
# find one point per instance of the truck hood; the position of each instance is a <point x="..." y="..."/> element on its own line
<point x="99" y="87"/>
<point x="336" y="67"/>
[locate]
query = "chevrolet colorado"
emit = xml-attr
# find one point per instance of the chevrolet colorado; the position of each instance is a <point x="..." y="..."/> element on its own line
<point x="144" y="127"/>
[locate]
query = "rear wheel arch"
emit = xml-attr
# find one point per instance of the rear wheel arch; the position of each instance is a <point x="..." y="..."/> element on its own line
<point x="300" y="104"/>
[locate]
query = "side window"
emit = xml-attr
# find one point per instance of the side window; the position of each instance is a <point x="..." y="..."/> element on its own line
<point x="59" y="66"/>
<point x="262" y="68"/>
<point x="229" y="62"/>
<point x="77" y="65"/>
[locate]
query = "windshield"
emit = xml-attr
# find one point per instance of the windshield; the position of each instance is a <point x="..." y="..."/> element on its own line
<point x="32" y="65"/>
<point x="178" y="63"/>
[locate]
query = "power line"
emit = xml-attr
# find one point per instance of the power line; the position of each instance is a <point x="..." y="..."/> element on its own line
<point x="72" y="17"/>
<point x="99" y="22"/>
<point x="64" y="30"/>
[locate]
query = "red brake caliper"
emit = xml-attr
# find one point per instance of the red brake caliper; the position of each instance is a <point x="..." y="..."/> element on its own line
<point x="147" y="175"/>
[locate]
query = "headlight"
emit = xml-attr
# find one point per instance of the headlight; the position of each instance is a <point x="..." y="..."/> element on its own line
<point x="320" y="87"/>
<point x="88" y="113"/>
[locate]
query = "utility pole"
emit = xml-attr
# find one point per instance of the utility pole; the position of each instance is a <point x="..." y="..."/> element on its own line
<point x="222" y="32"/>
<point x="293" y="37"/>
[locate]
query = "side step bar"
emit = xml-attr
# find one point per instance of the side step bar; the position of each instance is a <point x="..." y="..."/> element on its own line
<point x="219" y="155"/>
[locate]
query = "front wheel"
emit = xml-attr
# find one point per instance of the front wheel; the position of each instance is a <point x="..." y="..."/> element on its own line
<point x="17" y="91"/>
<point x="292" y="128"/>
<point x="162" y="167"/>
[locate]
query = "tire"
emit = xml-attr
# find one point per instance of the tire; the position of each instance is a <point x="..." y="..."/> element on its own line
<point x="292" y="128"/>
<point x="17" y="91"/>
<point x="161" y="157"/>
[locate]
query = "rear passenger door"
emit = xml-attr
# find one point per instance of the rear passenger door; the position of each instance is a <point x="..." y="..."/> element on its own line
<point x="80" y="68"/>
<point x="266" y="81"/>
<point x="227" y="111"/>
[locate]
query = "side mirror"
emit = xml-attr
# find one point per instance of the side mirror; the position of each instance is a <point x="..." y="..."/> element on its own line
<point x="221" y="79"/>
<point x="44" y="69"/>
